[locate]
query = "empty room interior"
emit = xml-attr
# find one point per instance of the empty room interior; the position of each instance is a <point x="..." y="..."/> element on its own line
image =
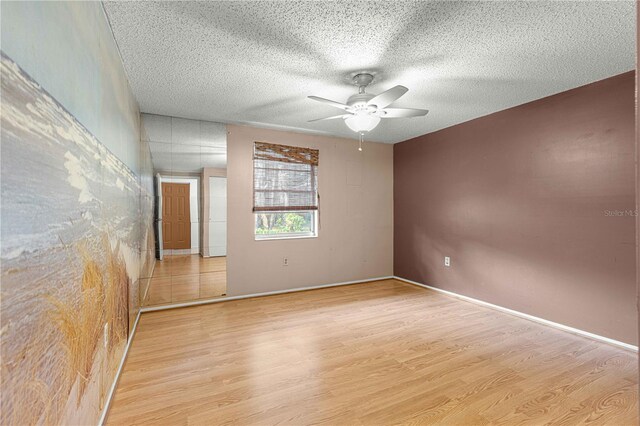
<point x="319" y="212"/>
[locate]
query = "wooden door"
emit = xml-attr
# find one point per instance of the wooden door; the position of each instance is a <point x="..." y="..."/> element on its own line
<point x="176" y="217"/>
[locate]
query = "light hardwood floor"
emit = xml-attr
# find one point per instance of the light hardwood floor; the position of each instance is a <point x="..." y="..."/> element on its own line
<point x="376" y="353"/>
<point x="184" y="278"/>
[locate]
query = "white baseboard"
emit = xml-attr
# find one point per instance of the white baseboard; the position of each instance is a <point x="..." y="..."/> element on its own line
<point x="526" y="316"/>
<point x="112" y="390"/>
<point x="247" y="296"/>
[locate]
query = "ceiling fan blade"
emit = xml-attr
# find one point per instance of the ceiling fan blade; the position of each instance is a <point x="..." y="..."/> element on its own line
<point x="385" y="98"/>
<point x="333" y="117"/>
<point x="329" y="102"/>
<point x="402" y="112"/>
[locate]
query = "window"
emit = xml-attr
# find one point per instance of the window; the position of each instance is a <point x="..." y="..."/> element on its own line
<point x="285" y="191"/>
<point x="285" y="225"/>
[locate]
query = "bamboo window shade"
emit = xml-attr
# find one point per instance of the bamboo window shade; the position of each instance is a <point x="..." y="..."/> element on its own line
<point x="285" y="178"/>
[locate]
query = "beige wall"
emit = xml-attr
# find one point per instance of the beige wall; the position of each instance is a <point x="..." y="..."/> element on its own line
<point x="355" y="238"/>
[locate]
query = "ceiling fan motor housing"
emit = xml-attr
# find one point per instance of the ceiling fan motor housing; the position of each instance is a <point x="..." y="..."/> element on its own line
<point x="359" y="101"/>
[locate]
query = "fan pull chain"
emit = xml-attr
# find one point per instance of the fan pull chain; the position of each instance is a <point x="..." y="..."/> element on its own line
<point x="360" y="145"/>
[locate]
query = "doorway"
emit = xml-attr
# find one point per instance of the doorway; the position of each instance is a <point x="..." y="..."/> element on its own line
<point x="176" y="216"/>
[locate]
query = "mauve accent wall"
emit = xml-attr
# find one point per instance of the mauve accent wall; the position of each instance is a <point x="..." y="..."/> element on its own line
<point x="533" y="204"/>
<point x="638" y="175"/>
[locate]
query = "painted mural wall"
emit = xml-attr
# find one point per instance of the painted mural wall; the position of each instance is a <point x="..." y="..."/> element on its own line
<point x="147" y="241"/>
<point x="68" y="48"/>
<point x="76" y="218"/>
<point x="74" y="244"/>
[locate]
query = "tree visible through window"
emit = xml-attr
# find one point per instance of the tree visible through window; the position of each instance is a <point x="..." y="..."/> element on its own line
<point x="285" y="197"/>
<point x="285" y="223"/>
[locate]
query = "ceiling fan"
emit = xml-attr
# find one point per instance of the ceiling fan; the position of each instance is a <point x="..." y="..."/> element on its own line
<point x="363" y="111"/>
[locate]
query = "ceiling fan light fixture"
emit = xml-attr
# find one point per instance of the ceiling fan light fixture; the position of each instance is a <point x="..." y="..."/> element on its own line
<point x="362" y="122"/>
<point x="363" y="111"/>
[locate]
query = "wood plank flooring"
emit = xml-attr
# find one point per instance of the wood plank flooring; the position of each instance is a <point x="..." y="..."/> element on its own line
<point x="183" y="278"/>
<point x="376" y="353"/>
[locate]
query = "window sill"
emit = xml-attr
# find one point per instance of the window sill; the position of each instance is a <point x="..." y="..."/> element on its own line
<point x="284" y="237"/>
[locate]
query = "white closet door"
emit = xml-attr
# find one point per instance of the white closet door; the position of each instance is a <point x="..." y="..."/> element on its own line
<point x="217" y="216"/>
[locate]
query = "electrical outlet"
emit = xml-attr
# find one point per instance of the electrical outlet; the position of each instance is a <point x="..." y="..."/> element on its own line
<point x="285" y="261"/>
<point x="106" y="334"/>
<point x="447" y="261"/>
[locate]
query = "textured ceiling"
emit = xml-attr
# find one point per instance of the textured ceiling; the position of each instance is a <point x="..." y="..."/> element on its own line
<point x="256" y="62"/>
